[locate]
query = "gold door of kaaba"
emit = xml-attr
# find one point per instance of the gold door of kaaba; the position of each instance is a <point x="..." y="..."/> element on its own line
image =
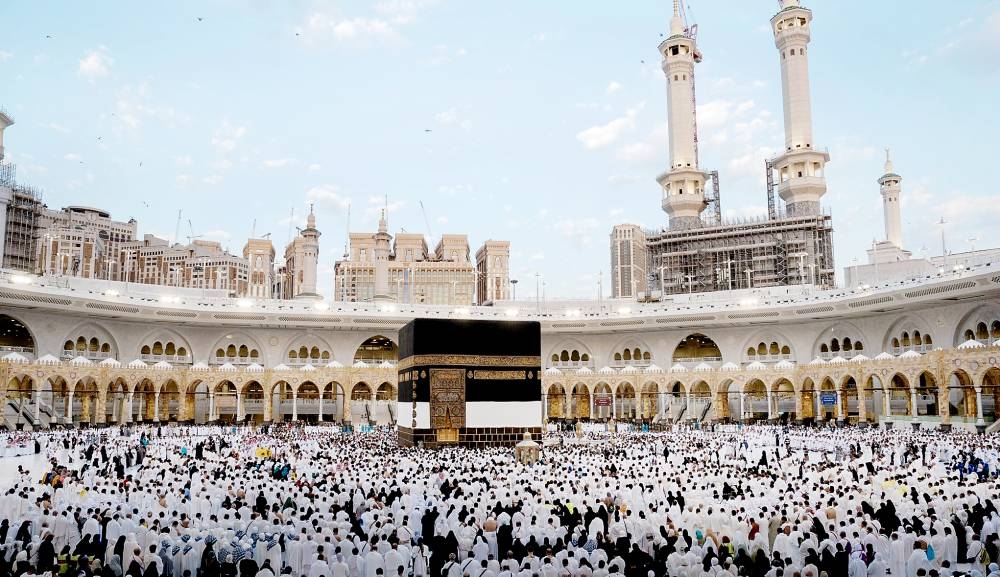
<point x="447" y="406"/>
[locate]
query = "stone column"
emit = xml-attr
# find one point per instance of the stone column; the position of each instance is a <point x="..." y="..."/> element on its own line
<point x="211" y="406"/>
<point x="102" y="403"/>
<point x="944" y="406"/>
<point x="268" y="408"/>
<point x="156" y="407"/>
<point x="593" y="406"/>
<point x="819" y="405"/>
<point x="347" y="409"/>
<point x="887" y="402"/>
<point x="614" y="405"/>
<point x="321" y="407"/>
<point x="913" y="403"/>
<point x="862" y="405"/>
<point x="568" y="410"/>
<point x="979" y="406"/>
<point x="85" y="409"/>
<point x="69" y="408"/>
<point x="239" y="407"/>
<point x="295" y="406"/>
<point x="841" y="406"/>
<point x="689" y="411"/>
<point x="37" y="396"/>
<point x="743" y="408"/>
<point x="771" y="412"/>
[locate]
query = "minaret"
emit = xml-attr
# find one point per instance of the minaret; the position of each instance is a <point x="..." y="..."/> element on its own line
<point x="309" y="257"/>
<point x="383" y="242"/>
<point x="800" y="169"/>
<point x="684" y="184"/>
<point x="891" y="184"/>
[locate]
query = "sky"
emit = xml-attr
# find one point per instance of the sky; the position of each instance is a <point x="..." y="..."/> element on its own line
<point x="542" y="123"/>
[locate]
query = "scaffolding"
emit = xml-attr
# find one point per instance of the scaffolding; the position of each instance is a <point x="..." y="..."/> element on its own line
<point x="713" y="202"/>
<point x="21" y="233"/>
<point x="748" y="253"/>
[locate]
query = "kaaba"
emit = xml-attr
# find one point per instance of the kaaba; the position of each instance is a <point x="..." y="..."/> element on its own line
<point x="471" y="383"/>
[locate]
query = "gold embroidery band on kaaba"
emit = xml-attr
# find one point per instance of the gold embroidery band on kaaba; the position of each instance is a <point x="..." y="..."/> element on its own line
<point x="499" y="375"/>
<point x="469" y="361"/>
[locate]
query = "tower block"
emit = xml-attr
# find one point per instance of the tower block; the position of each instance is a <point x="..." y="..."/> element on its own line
<point x="800" y="168"/>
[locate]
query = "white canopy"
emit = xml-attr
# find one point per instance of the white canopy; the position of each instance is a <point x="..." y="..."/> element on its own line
<point x="730" y="367"/>
<point x="307" y="368"/>
<point x="838" y="360"/>
<point x="971" y="344"/>
<point x="110" y="362"/>
<point x="756" y="366"/>
<point x="702" y="367"/>
<point x="163" y="366"/>
<point x="653" y="369"/>
<point x="255" y="368"/>
<point x="552" y="371"/>
<point x="15" y="358"/>
<point x="137" y="364"/>
<point x="47" y="360"/>
<point x="784" y="364"/>
<point x="228" y="368"/>
<point x="884" y="356"/>
<point x="678" y="368"/>
<point x="282" y="367"/>
<point x="335" y="364"/>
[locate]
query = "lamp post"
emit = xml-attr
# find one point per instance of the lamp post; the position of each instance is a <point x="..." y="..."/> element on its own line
<point x="513" y="286"/>
<point x="690" y="279"/>
<point x="749" y="271"/>
<point x="538" y="302"/>
<point x="944" y="247"/>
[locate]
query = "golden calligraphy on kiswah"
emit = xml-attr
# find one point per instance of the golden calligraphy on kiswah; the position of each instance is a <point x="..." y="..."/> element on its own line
<point x="498" y="375"/>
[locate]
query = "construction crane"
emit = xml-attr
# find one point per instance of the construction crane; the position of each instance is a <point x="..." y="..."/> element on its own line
<point x="177" y="227"/>
<point x="430" y="235"/>
<point x="347" y="234"/>
<point x="192" y="236"/>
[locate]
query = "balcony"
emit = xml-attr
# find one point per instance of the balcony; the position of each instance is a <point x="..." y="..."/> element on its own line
<point x="918" y="348"/>
<point x="572" y="365"/>
<point x="842" y="354"/>
<point x="172" y="359"/>
<point x="26" y="351"/>
<point x="238" y="361"/>
<point x="633" y="363"/>
<point x="766" y="358"/>
<point x="91" y="355"/>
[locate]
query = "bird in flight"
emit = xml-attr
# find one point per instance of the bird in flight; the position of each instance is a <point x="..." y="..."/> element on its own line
<point x="427" y="130"/>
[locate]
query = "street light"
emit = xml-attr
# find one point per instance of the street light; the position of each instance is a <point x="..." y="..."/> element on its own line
<point x="513" y="284"/>
<point x="749" y="271"/>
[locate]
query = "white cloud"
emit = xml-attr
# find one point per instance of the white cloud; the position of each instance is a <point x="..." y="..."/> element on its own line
<point x="454" y="117"/>
<point x="613" y="87"/>
<point x="278" y="162"/>
<point x="442" y="219"/>
<point x="328" y="194"/>
<point x="212" y="179"/>
<point x="133" y="105"/>
<point x="182" y="179"/>
<point x="217" y="234"/>
<point x="227" y="136"/>
<point x="620" y="179"/>
<point x="57" y="127"/>
<point x="72" y="156"/>
<point x="602" y="135"/>
<point x="95" y="65"/>
<point x="314" y="167"/>
<point x="651" y="151"/>
<point x="5" y="56"/>
<point x="403" y="11"/>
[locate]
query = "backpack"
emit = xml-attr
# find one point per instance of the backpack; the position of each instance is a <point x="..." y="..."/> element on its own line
<point x="984" y="556"/>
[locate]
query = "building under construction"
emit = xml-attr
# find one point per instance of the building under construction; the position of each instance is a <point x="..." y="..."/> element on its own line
<point x="698" y="251"/>
<point x="20" y="208"/>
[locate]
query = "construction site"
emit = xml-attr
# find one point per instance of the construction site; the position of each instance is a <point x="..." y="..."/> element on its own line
<point x="698" y="251"/>
<point x="20" y="224"/>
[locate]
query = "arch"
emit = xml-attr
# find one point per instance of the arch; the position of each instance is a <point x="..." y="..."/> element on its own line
<point x="377" y="349"/>
<point x="783" y="393"/>
<point x="832" y="341"/>
<point x="696" y="348"/>
<point x="308" y="340"/>
<point x="631" y="351"/>
<point x="385" y="392"/>
<point x="15" y="336"/>
<point x="625" y="401"/>
<point x="649" y="401"/>
<point x="768" y="343"/>
<point x="961" y="395"/>
<point x="907" y="329"/>
<point x="238" y="347"/>
<point x="160" y="339"/>
<point x="361" y="391"/>
<point x="580" y="402"/>
<point x="94" y="334"/>
<point x="555" y="401"/>
<point x="981" y="321"/>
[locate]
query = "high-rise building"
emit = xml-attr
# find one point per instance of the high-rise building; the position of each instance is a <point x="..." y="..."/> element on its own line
<point x="629" y="261"/>
<point x="81" y="241"/>
<point x="493" y="272"/>
<point x="380" y="268"/>
<point x="790" y="245"/>
<point x="259" y="254"/>
<point x="202" y="264"/>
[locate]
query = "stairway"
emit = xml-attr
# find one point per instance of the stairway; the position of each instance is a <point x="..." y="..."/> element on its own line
<point x="704" y="412"/>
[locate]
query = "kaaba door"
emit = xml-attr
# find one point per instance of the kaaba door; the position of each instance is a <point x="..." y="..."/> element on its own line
<point x="447" y="406"/>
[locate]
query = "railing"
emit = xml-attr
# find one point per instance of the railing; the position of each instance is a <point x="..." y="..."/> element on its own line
<point x="632" y="363"/>
<point x="767" y="358"/>
<point x="572" y="364"/>
<point x="172" y="359"/>
<point x="918" y="348"/>
<point x="92" y="355"/>
<point x="21" y="350"/>
<point x="842" y="354"/>
<point x="235" y="360"/>
<point x="696" y="360"/>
